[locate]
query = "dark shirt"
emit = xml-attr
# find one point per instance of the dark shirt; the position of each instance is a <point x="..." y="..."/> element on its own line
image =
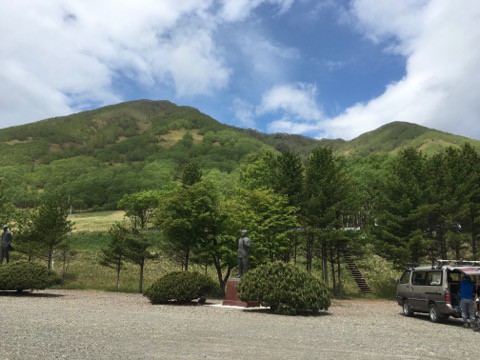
<point x="6" y="238"/>
<point x="466" y="289"/>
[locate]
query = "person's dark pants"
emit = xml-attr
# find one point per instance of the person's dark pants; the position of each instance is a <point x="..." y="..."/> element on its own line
<point x="242" y="265"/>
<point x="4" y="253"/>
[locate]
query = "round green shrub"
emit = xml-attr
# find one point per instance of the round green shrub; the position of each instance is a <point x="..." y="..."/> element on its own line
<point x="180" y="286"/>
<point x="26" y="276"/>
<point x="285" y="288"/>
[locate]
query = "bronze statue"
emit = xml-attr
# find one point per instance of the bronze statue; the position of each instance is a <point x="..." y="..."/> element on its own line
<point x="5" y="246"/>
<point x="244" y="244"/>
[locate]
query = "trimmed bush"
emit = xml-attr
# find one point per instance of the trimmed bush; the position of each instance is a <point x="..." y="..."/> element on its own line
<point x="285" y="289"/>
<point x="26" y="276"/>
<point x="180" y="286"/>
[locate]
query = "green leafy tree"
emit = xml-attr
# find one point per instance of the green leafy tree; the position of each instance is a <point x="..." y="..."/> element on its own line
<point x="137" y="251"/>
<point x="190" y="219"/>
<point x="7" y="210"/>
<point x="282" y="173"/>
<point x="192" y="174"/>
<point x="113" y="256"/>
<point x="257" y="171"/>
<point x="139" y="206"/>
<point x="270" y="221"/>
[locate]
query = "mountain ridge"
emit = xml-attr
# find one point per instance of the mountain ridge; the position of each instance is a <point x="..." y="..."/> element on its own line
<point x="388" y="138"/>
<point x="96" y="156"/>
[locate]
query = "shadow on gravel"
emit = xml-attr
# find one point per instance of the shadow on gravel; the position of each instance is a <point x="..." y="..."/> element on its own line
<point x="449" y="322"/>
<point x="7" y="293"/>
<point x="267" y="311"/>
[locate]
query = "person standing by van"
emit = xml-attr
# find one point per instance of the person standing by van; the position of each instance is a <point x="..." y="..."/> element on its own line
<point x="467" y="294"/>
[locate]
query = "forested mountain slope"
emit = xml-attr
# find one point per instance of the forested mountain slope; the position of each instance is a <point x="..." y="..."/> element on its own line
<point x="398" y="135"/>
<point x="97" y="156"/>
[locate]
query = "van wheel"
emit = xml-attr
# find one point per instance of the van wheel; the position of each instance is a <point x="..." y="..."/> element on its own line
<point x="407" y="308"/>
<point x="434" y="315"/>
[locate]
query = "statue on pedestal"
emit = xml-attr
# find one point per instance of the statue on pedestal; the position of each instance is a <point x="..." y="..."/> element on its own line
<point x="244" y="244"/>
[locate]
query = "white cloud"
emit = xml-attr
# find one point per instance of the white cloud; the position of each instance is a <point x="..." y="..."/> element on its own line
<point x="292" y="127"/>
<point x="237" y="10"/>
<point x="441" y="88"/>
<point x="59" y="55"/>
<point x="297" y="100"/>
<point x="296" y="106"/>
<point x="244" y="113"/>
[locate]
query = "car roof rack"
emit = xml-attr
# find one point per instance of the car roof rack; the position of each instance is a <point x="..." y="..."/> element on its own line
<point x="460" y="262"/>
<point x="410" y="266"/>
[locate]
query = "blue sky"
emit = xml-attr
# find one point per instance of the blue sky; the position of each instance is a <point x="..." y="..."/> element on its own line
<point x="320" y="68"/>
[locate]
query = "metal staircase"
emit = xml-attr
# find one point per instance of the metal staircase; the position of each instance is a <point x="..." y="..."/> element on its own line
<point x="357" y="275"/>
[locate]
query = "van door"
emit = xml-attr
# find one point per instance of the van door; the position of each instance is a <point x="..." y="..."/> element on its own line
<point x="403" y="287"/>
<point x="417" y="294"/>
<point x="434" y="291"/>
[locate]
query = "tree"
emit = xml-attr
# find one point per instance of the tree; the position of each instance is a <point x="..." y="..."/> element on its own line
<point x="326" y="194"/>
<point x="188" y="217"/>
<point x="257" y="171"/>
<point x="270" y="220"/>
<point x="402" y="213"/>
<point x="46" y="228"/>
<point x="137" y="245"/>
<point x="465" y="170"/>
<point x="113" y="256"/>
<point x="288" y="176"/>
<point x="7" y="210"/>
<point x="192" y="174"/>
<point x="139" y="206"/>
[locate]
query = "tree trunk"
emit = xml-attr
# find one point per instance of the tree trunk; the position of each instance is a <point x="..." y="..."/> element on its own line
<point x="119" y="267"/>
<point x="443" y="246"/>
<point x="295" y="244"/>
<point x="187" y="258"/>
<point x="50" y="259"/>
<point x="332" y="267"/>
<point x="309" y="249"/>
<point x="325" y="261"/>
<point x="340" y="289"/>
<point x="222" y="281"/>
<point x="140" y="282"/>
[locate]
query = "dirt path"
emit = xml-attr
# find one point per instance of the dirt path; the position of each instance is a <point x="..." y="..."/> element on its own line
<point x="56" y="324"/>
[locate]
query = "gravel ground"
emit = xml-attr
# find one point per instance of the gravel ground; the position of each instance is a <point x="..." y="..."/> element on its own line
<point x="55" y="324"/>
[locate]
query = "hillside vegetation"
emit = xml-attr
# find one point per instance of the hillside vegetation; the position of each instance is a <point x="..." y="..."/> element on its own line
<point x="97" y="156"/>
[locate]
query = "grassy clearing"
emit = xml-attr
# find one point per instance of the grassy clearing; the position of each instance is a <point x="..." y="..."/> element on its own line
<point x="96" y="221"/>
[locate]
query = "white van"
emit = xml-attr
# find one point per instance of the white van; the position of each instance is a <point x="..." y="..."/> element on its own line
<point x="434" y="289"/>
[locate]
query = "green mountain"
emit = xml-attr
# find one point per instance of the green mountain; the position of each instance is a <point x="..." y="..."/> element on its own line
<point x="97" y="156"/>
<point x="396" y="136"/>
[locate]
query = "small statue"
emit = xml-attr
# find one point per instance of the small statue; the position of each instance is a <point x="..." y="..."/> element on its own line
<point x="244" y="244"/>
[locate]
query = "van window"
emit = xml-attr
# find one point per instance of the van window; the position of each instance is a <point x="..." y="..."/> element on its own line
<point x="434" y="278"/>
<point x="405" y="277"/>
<point x="419" y="278"/>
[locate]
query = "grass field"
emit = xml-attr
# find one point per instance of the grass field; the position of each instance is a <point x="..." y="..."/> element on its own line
<point x="96" y="221"/>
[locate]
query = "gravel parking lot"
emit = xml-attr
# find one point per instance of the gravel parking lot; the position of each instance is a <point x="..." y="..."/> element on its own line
<point x="55" y="324"/>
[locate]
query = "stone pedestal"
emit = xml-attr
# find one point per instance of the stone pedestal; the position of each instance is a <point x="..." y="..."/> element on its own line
<point x="231" y="295"/>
